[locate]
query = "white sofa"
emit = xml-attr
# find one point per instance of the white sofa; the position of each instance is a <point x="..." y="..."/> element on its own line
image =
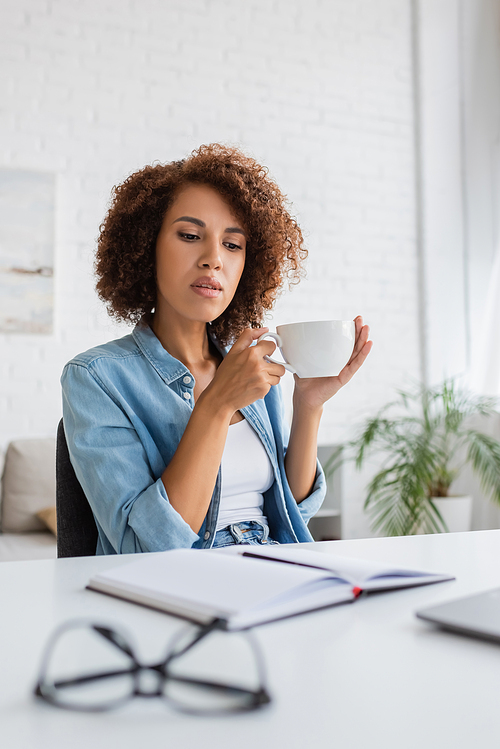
<point x="28" y="499"/>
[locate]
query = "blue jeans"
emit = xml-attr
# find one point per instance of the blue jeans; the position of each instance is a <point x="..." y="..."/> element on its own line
<point x="248" y="532"/>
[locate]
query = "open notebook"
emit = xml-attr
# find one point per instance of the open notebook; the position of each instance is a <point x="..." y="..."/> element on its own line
<point x="251" y="586"/>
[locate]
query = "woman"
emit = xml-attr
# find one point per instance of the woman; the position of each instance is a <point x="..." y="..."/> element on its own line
<point x="195" y="252"/>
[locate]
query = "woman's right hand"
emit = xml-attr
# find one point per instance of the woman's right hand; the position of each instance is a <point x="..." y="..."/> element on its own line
<point x="244" y="376"/>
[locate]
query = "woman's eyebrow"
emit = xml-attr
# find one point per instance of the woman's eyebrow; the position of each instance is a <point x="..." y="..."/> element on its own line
<point x="191" y="220"/>
<point x="199" y="222"/>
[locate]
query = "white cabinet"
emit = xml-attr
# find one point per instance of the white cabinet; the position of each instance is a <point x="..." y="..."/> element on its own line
<point x="326" y="524"/>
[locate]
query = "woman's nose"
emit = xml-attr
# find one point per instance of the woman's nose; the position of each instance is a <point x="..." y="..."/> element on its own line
<point x="211" y="257"/>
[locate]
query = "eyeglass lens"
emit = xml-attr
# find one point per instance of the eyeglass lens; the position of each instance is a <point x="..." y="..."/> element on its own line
<point x="89" y="667"/>
<point x="84" y="670"/>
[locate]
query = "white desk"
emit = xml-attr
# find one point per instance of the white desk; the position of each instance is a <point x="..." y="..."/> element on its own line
<point x="363" y="675"/>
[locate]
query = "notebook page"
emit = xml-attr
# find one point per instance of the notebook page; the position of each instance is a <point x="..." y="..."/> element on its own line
<point x="357" y="572"/>
<point x="215" y="584"/>
<point x="318" y="595"/>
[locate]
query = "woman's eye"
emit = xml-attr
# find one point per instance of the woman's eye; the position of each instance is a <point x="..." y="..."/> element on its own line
<point x="189" y="237"/>
<point x="232" y="246"/>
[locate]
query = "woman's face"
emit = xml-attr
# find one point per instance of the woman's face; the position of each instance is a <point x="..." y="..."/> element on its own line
<point x="200" y="256"/>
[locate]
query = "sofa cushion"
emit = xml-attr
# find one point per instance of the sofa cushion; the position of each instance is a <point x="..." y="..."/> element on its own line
<point x="48" y="516"/>
<point x="28" y="484"/>
<point x="16" y="547"/>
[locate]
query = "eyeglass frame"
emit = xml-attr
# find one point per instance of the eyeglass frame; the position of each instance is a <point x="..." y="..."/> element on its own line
<point x="259" y="697"/>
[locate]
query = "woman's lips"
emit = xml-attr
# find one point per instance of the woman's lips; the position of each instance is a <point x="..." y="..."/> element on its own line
<point x="208" y="293"/>
<point x="207" y="287"/>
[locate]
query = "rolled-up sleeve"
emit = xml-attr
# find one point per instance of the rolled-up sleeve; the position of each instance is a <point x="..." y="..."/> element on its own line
<point x="112" y="464"/>
<point x="312" y="503"/>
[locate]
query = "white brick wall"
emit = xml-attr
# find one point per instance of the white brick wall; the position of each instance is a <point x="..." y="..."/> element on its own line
<point x="321" y="92"/>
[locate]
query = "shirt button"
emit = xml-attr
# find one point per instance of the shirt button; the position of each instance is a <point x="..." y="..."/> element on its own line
<point x="207" y="535"/>
<point x="186" y="380"/>
<point x="187" y="396"/>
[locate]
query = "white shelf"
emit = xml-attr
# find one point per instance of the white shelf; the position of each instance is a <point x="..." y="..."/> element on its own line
<point x="326" y="513"/>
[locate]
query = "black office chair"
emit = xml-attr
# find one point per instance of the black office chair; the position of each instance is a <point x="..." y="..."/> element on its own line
<point x="76" y="528"/>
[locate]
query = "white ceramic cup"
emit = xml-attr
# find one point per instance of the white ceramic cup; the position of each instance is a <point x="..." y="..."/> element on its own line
<point x="314" y="349"/>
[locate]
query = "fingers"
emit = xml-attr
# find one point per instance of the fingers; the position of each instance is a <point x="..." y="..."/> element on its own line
<point x="358" y="327"/>
<point x="246" y="339"/>
<point x="361" y="336"/>
<point x="362" y="348"/>
<point x="249" y="335"/>
<point x="355" y="362"/>
<point x="274" y="380"/>
<point x="249" y="363"/>
<point x="275" y="370"/>
<point x="266" y="348"/>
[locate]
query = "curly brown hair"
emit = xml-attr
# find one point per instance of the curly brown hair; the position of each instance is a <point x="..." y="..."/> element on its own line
<point x="125" y="262"/>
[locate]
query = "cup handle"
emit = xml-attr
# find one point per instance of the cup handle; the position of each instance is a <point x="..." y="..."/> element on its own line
<point x="279" y="344"/>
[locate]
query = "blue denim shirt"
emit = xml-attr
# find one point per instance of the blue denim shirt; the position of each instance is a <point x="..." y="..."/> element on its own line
<point x="126" y="405"/>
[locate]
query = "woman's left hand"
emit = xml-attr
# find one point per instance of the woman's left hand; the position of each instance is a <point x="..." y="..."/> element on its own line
<point x="313" y="392"/>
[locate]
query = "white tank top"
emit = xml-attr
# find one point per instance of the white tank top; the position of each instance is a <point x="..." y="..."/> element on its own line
<point x="246" y="474"/>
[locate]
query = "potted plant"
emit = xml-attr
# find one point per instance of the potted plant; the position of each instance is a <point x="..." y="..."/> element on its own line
<point x="425" y="439"/>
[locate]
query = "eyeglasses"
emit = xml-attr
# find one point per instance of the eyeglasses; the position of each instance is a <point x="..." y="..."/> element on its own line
<point x="93" y="667"/>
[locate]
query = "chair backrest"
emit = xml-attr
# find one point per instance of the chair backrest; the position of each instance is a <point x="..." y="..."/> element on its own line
<point x="76" y="528"/>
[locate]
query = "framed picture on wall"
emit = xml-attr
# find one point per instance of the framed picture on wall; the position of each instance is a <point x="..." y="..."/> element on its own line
<point x="27" y="210"/>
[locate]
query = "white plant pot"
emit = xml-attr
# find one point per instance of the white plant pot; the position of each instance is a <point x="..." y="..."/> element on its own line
<point x="455" y="511"/>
